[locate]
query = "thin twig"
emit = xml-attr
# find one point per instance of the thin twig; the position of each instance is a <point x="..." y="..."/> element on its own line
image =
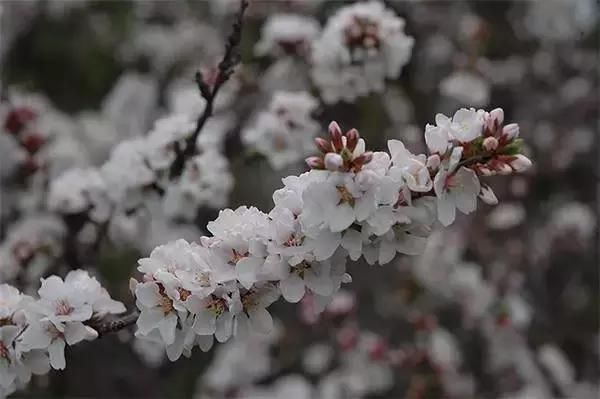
<point x="225" y="68"/>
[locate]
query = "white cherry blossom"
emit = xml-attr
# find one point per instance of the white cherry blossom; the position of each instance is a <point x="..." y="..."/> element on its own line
<point x="455" y="189"/>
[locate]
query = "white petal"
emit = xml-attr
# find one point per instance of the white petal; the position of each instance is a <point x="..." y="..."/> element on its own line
<point x="205" y="342"/>
<point x="51" y="287"/>
<point x="56" y="350"/>
<point x="387" y="251"/>
<point x="35" y="337"/>
<point x="167" y="328"/>
<point x="148" y="320"/>
<point x="352" y="242"/>
<point x="39" y="362"/>
<point x="446" y="210"/>
<point x="246" y="269"/>
<point x="322" y="285"/>
<point x="224" y="327"/>
<point x="261" y="320"/>
<point x="175" y="350"/>
<point x="74" y="333"/>
<point x="81" y="313"/>
<point x="341" y="217"/>
<point x="205" y="323"/>
<point x="147" y="294"/>
<point x="365" y="206"/>
<point x="439" y="182"/>
<point x="242" y="326"/>
<point x="466" y="194"/>
<point x="325" y="244"/>
<point x="436" y="139"/>
<point x="455" y="158"/>
<point x="292" y="288"/>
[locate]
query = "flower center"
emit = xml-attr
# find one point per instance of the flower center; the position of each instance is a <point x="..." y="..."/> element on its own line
<point x="217" y="306"/>
<point x="345" y="196"/>
<point x="249" y="300"/>
<point x="63" y="308"/>
<point x="295" y="240"/>
<point x="301" y="268"/>
<point x="183" y="293"/>
<point x="362" y="33"/>
<point x="203" y="279"/>
<point x="237" y="256"/>
<point x="166" y="304"/>
<point x="53" y="331"/>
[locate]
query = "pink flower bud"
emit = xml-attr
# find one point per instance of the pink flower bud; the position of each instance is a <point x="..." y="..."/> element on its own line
<point x="490" y="143"/>
<point x="333" y="161"/>
<point x="521" y="163"/>
<point x="511" y="131"/>
<point x="336" y="136"/>
<point x="364" y="158"/>
<point x="487" y="195"/>
<point x="433" y="162"/>
<point x="315" y="163"/>
<point x="352" y="137"/>
<point x="497" y="116"/>
<point x="323" y="145"/>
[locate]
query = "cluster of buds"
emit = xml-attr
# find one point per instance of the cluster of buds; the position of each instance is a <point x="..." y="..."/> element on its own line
<point x="19" y="123"/>
<point x="498" y="149"/>
<point x="343" y="152"/>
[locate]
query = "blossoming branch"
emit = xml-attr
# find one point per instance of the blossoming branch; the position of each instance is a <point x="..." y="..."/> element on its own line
<point x="353" y="203"/>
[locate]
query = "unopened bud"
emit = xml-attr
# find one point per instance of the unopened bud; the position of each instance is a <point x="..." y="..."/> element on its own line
<point x="333" y="161"/>
<point x="487" y="195"/>
<point x="497" y="116"/>
<point x="511" y="131"/>
<point x="521" y="163"/>
<point x="433" y="162"/>
<point x="364" y="158"/>
<point x="315" y="163"/>
<point x="336" y="136"/>
<point x="352" y="137"/>
<point x="490" y="143"/>
<point x="323" y="145"/>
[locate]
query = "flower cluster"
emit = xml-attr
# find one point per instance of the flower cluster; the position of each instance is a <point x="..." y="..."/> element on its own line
<point x="287" y="34"/>
<point x="140" y="166"/>
<point x="352" y="203"/>
<point x="34" y="333"/>
<point x="284" y="132"/>
<point x="361" y="46"/>
<point x="31" y="247"/>
<point x="25" y="141"/>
